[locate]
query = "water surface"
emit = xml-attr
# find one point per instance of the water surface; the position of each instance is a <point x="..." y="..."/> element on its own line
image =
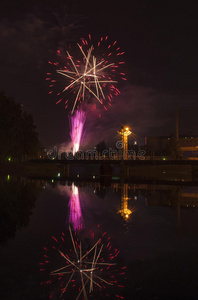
<point x="153" y="226"/>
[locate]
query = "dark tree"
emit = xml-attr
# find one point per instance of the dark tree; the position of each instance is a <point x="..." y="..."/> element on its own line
<point x="100" y="147"/>
<point x="18" y="136"/>
<point x="18" y="197"/>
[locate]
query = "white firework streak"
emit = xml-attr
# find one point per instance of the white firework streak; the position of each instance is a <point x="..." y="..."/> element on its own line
<point x="82" y="79"/>
<point x="79" y="265"/>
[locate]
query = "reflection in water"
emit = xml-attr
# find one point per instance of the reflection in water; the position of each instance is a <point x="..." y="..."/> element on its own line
<point x="75" y="214"/>
<point x="149" y="245"/>
<point x="176" y="197"/>
<point x="18" y="197"/>
<point x="124" y="211"/>
<point x="87" y="268"/>
<point x="133" y="197"/>
<point x="82" y="267"/>
<point x="122" y="189"/>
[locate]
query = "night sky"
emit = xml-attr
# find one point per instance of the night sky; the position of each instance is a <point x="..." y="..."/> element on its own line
<point x="160" y="43"/>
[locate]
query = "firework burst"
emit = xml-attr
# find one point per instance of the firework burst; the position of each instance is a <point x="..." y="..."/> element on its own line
<point x="91" y="74"/>
<point x="87" y="270"/>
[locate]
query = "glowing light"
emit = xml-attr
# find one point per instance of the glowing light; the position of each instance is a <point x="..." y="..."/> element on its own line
<point x="93" y="74"/>
<point x="75" y="214"/>
<point x="9" y="158"/>
<point x="83" y="271"/>
<point x="77" y="122"/>
<point x="89" y="71"/>
<point x="125" y="211"/>
<point x="125" y="132"/>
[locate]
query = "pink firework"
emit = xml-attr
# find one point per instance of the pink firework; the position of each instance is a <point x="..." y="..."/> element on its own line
<point x="82" y="268"/>
<point x="90" y="71"/>
<point x="75" y="214"/>
<point x="77" y="121"/>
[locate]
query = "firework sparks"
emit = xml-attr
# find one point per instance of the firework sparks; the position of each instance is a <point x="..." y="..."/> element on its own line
<point x="77" y="121"/>
<point x="75" y="214"/>
<point x="94" y="74"/>
<point x="85" y="269"/>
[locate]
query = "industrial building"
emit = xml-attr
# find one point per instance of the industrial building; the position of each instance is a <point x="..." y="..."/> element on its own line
<point x="188" y="145"/>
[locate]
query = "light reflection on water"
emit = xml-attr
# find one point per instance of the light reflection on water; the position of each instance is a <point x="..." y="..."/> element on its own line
<point x="153" y="226"/>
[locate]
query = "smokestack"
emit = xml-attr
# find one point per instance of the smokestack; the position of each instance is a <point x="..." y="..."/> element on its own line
<point x="176" y="123"/>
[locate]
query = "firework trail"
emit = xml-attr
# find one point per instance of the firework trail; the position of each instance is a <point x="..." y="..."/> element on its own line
<point x="90" y="71"/>
<point x="77" y="121"/>
<point x="86" y="270"/>
<point x="75" y="214"/>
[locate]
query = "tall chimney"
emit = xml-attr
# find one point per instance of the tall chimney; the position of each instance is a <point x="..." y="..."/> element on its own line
<point x="176" y="123"/>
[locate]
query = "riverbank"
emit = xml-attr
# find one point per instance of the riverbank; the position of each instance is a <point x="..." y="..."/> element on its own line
<point x="164" y="171"/>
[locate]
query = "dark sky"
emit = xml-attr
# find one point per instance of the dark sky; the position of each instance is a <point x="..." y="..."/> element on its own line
<point x="160" y="43"/>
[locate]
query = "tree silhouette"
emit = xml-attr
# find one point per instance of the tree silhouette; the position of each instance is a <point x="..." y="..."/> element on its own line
<point x="18" y="197"/>
<point x="101" y="146"/>
<point x="19" y="139"/>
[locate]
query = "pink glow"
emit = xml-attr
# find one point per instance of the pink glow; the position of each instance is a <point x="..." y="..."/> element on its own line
<point x="75" y="214"/>
<point x="77" y="121"/>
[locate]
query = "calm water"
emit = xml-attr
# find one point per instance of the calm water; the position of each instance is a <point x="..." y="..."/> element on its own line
<point x="154" y="227"/>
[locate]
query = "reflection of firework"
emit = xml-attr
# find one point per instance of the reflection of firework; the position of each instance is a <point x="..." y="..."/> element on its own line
<point x="86" y="270"/>
<point x="93" y="74"/>
<point x="75" y="214"/>
<point x="77" y="121"/>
